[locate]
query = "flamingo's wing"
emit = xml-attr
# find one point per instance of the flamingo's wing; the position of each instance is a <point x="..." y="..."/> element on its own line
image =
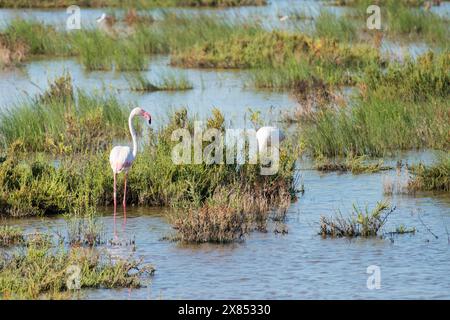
<point x="120" y="158"/>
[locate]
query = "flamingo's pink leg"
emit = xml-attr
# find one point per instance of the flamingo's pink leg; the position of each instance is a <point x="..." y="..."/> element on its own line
<point x="125" y="191"/>
<point x="125" y="200"/>
<point x="115" y="206"/>
<point x="124" y="218"/>
<point x="115" y="199"/>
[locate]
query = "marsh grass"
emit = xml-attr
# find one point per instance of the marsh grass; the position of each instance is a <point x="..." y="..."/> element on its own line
<point x="416" y="24"/>
<point x="435" y="177"/>
<point x="168" y="82"/>
<point x="402" y="229"/>
<point x="256" y="48"/>
<point x="231" y="213"/>
<point x="353" y="164"/>
<point x="39" y="38"/>
<point x="58" y="123"/>
<point x="361" y="223"/>
<point x="329" y="25"/>
<point x="379" y="127"/>
<point x="405" y="107"/>
<point x="84" y="231"/>
<point x="409" y="21"/>
<point x="414" y="80"/>
<point x="10" y="235"/>
<point x="220" y="224"/>
<point x="42" y="272"/>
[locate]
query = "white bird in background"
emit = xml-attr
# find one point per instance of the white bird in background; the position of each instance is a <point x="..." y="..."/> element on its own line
<point x="284" y="18"/>
<point x="113" y="27"/>
<point x="102" y="18"/>
<point x="105" y="23"/>
<point x="121" y="157"/>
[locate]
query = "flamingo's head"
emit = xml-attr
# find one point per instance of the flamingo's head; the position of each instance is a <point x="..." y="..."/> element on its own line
<point x="144" y="114"/>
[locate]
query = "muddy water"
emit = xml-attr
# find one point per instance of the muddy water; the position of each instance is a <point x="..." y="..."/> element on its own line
<point x="299" y="264"/>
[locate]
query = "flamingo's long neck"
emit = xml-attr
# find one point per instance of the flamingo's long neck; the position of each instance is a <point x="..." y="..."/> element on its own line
<point x="133" y="134"/>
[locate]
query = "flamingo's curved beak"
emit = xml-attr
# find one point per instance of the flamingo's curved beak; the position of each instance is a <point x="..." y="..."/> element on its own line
<point x="147" y="117"/>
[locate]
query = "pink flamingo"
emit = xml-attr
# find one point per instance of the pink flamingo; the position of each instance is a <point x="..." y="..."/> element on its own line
<point x="121" y="157"/>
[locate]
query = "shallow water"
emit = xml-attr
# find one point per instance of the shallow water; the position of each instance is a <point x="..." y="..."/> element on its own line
<point x="229" y="91"/>
<point x="297" y="265"/>
<point x="300" y="264"/>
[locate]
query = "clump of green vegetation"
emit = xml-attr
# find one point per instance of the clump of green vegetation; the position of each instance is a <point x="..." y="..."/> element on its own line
<point x="380" y="126"/>
<point x="10" y="235"/>
<point x="380" y="120"/>
<point x="407" y="20"/>
<point x="411" y="80"/>
<point x="402" y="229"/>
<point x="39" y="239"/>
<point x="11" y="54"/>
<point x="219" y="224"/>
<point x="435" y="177"/>
<point x="109" y="48"/>
<point x="231" y="213"/>
<point x="416" y="24"/>
<point x="43" y="272"/>
<point x="354" y="164"/>
<point x="100" y="51"/>
<point x="261" y="48"/>
<point x="169" y="82"/>
<point x="361" y="223"/>
<point x="329" y="25"/>
<point x="39" y="38"/>
<point x="174" y="82"/>
<point x="84" y="231"/>
<point x="282" y="60"/>
<point x="56" y="122"/>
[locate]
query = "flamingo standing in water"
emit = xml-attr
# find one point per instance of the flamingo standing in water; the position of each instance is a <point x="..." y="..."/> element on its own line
<point x="121" y="157"/>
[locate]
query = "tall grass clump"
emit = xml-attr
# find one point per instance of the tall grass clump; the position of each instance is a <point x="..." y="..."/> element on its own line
<point x="10" y="235"/>
<point x="412" y="79"/>
<point x="416" y="24"/>
<point x="435" y="177"/>
<point x="329" y="25"/>
<point x="361" y="223"/>
<point x="84" y="230"/>
<point x="274" y="48"/>
<point x="353" y="164"/>
<point x="40" y="39"/>
<point x="168" y="82"/>
<point x="100" y="51"/>
<point x="404" y="108"/>
<point x="57" y="122"/>
<point x="379" y="126"/>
